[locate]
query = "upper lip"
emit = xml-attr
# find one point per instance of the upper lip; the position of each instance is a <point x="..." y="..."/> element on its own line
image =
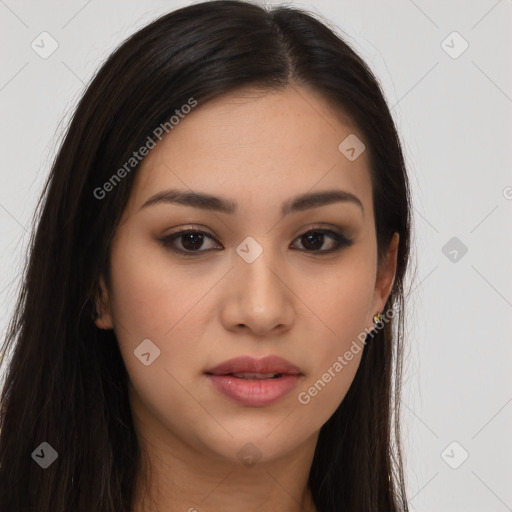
<point x="267" y="364"/>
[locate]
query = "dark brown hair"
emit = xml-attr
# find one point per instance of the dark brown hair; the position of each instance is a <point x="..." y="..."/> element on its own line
<point x="66" y="383"/>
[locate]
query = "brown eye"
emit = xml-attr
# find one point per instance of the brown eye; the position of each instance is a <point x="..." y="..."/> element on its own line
<point x="191" y="241"/>
<point x="314" y="239"/>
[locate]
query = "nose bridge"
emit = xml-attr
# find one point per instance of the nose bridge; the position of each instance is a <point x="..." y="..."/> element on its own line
<point x="261" y="295"/>
<point x="253" y="268"/>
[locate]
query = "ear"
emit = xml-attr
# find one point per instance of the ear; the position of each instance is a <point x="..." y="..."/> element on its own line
<point x="103" y="307"/>
<point x="385" y="278"/>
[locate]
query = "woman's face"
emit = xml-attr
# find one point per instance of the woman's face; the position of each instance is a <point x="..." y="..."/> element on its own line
<point x="253" y="285"/>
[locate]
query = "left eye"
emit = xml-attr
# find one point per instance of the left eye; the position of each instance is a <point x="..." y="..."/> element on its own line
<point x="192" y="240"/>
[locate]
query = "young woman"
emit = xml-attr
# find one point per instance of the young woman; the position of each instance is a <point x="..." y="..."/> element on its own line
<point x="212" y="314"/>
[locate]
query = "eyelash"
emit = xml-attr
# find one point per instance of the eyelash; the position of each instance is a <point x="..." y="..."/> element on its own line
<point x="340" y="240"/>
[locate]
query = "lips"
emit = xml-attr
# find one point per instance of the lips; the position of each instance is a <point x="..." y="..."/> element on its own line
<point x="254" y="382"/>
<point x="250" y="368"/>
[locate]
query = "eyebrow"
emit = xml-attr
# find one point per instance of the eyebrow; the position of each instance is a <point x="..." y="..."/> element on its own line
<point x="209" y="202"/>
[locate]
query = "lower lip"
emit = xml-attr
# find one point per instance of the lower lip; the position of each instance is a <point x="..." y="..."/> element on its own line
<point x="253" y="393"/>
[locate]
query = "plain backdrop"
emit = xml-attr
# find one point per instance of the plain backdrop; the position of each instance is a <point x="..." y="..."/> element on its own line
<point x="451" y="97"/>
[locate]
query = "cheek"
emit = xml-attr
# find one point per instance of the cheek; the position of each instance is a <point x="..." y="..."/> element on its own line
<point x="323" y="392"/>
<point x="170" y="304"/>
<point x="152" y="294"/>
<point x="339" y="296"/>
<point x="335" y="359"/>
<point x="153" y="299"/>
<point x="341" y="306"/>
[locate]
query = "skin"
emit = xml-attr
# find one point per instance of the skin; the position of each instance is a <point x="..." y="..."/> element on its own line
<point x="257" y="148"/>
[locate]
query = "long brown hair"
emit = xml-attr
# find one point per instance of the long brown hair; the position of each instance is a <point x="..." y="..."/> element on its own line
<point x="66" y="383"/>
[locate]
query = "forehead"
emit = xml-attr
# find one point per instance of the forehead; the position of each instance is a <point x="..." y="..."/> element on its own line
<point x="257" y="147"/>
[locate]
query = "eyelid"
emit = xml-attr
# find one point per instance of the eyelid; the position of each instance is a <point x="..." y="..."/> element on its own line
<point x="320" y="227"/>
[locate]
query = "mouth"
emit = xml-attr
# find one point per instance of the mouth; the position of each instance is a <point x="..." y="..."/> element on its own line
<point x="247" y="367"/>
<point x="254" y="382"/>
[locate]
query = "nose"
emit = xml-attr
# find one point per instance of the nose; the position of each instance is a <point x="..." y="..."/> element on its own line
<point x="260" y="298"/>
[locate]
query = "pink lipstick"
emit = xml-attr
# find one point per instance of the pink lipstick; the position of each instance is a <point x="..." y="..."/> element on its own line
<point x="254" y="382"/>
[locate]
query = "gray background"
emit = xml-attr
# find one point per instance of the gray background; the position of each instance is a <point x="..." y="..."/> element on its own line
<point x="454" y="118"/>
